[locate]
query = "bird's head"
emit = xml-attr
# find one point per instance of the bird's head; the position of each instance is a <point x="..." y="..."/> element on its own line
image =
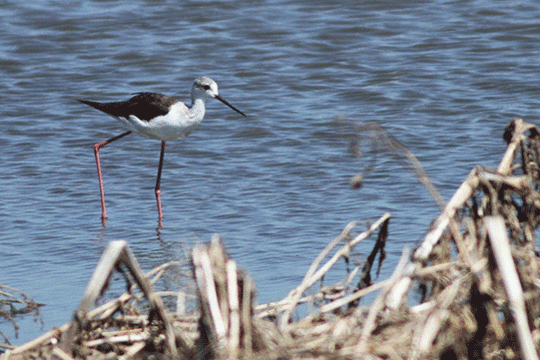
<point x="204" y="87"/>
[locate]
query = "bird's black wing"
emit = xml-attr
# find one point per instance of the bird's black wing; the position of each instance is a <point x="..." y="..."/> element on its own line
<point x="145" y="106"/>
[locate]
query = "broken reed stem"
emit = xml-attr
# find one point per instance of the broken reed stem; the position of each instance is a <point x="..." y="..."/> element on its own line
<point x="467" y="189"/>
<point x="40" y="340"/>
<point x="336" y="304"/>
<point x="378" y="304"/>
<point x="117" y="252"/>
<point x="345" y="234"/>
<point x="247" y="317"/>
<point x="234" y="306"/>
<point x="427" y="333"/>
<point x="463" y="194"/>
<point x="205" y="276"/>
<point x="518" y="128"/>
<point x="226" y="301"/>
<point x="502" y="251"/>
<point x="295" y="294"/>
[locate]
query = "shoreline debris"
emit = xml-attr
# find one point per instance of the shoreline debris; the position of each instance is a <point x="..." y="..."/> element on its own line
<point x="469" y="290"/>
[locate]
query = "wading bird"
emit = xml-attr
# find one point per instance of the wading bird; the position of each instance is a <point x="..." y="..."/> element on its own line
<point x="160" y="117"/>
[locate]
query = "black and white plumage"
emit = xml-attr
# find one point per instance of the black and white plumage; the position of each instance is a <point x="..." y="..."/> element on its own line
<point x="157" y="116"/>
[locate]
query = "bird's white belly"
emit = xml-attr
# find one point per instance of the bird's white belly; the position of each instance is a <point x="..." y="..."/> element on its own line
<point x="173" y="126"/>
<point x="164" y="130"/>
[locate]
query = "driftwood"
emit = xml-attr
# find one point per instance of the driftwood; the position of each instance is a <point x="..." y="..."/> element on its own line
<point x="469" y="290"/>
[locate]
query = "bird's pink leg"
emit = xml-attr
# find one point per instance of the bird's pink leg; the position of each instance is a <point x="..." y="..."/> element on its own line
<point x="97" y="147"/>
<point x="158" y="182"/>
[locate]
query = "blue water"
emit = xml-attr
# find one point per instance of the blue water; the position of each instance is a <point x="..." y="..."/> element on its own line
<point x="443" y="77"/>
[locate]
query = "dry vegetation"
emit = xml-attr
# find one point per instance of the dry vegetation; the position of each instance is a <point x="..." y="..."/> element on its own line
<point x="470" y="290"/>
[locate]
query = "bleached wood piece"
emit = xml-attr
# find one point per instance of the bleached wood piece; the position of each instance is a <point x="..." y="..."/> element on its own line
<point x="502" y="251"/>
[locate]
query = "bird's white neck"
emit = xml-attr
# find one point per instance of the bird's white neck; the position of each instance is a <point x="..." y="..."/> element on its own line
<point x="197" y="108"/>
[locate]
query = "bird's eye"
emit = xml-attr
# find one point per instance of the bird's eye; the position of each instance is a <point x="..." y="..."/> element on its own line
<point x="206" y="87"/>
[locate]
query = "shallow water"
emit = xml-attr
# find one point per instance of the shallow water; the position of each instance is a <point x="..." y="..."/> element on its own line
<point x="444" y="77"/>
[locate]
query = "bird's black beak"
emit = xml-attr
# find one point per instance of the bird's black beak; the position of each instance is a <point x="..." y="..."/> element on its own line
<point x="229" y="105"/>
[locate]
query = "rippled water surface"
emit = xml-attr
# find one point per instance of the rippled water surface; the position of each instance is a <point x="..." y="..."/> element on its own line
<point x="443" y="77"/>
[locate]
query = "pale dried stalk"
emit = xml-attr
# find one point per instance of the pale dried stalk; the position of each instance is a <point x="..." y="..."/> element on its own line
<point x="105" y="310"/>
<point x="336" y="304"/>
<point x="61" y="354"/>
<point x="518" y="136"/>
<point x="117" y="252"/>
<point x="502" y="251"/>
<point x="247" y="317"/>
<point x="424" y="340"/>
<point x="130" y="337"/>
<point x="132" y="351"/>
<point x="345" y="234"/>
<point x="378" y="305"/>
<point x="467" y="189"/>
<point x="158" y="271"/>
<point x="206" y="279"/>
<point x="227" y="317"/>
<point x="295" y="294"/>
<point x="8" y="347"/>
<point x="100" y="313"/>
<point x="464" y="192"/>
<point x="51" y="336"/>
<point x="277" y="307"/>
<point x="234" y="331"/>
<point x="517" y="182"/>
